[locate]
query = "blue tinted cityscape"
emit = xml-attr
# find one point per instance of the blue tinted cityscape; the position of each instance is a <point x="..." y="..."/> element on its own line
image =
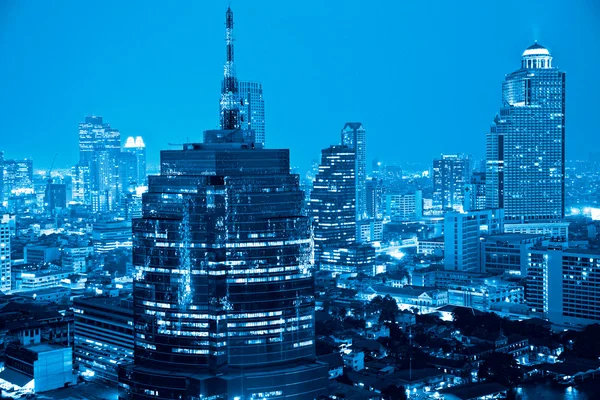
<point x="224" y="269"/>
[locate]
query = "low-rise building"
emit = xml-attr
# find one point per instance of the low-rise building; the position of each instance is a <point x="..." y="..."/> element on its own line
<point x="103" y="335"/>
<point x="507" y="252"/>
<point x="424" y="299"/>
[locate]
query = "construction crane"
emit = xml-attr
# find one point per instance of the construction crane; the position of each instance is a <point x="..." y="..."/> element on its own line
<point x="51" y="168"/>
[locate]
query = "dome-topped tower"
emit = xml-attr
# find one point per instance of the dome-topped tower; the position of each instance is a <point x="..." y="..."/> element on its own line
<point x="536" y="56"/>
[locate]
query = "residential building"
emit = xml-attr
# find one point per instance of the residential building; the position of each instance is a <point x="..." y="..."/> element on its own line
<point x="462" y="237"/>
<point x="406" y="207"/>
<point x="333" y="198"/>
<point x="369" y="230"/>
<point x="474" y="196"/>
<point x="526" y="143"/>
<point x="5" y="256"/>
<point x="563" y="285"/>
<point x="451" y="173"/>
<point x="76" y="258"/>
<point x="375" y="198"/>
<point x="40" y="254"/>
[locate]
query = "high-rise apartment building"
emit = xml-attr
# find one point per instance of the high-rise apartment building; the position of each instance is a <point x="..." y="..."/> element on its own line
<point x="99" y="150"/>
<point x="463" y="233"/>
<point x="451" y="174"/>
<point x="562" y="285"/>
<point x="354" y="136"/>
<point x="252" y="110"/>
<point x="5" y="258"/>
<point x="526" y="144"/>
<point x="333" y="202"/>
<point x="404" y="207"/>
<point x="375" y="198"/>
<point x="474" y="193"/>
<point x="224" y="289"/>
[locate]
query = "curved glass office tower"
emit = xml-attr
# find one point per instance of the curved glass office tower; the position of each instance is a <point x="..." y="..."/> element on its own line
<point x="224" y="288"/>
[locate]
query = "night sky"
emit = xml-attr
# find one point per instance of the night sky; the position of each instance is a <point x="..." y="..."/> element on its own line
<point x="424" y="77"/>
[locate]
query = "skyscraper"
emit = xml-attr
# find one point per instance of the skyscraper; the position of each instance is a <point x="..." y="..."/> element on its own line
<point x="451" y="174"/>
<point x="355" y="137"/>
<point x="5" y="258"/>
<point x="224" y="289"/>
<point x="462" y="237"/>
<point x="526" y="143"/>
<point x="133" y="163"/>
<point x="99" y="150"/>
<point x="253" y="109"/>
<point x="332" y="200"/>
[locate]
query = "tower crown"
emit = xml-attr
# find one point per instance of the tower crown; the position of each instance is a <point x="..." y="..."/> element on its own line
<point x="536" y="56"/>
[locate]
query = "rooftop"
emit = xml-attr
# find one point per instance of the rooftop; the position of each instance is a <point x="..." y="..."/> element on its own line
<point x="536" y="49"/>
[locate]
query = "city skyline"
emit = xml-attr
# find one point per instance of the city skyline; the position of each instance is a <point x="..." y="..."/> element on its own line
<point x="179" y="111"/>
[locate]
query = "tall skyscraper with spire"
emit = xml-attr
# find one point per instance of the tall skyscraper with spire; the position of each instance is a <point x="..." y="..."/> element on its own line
<point x="230" y="90"/>
<point x="526" y="144"/>
<point x="223" y="286"/>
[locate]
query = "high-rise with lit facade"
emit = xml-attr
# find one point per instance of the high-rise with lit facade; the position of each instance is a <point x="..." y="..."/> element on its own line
<point x="99" y="149"/>
<point x="252" y="110"/>
<point x="5" y="258"/>
<point x="223" y="286"/>
<point x="133" y="163"/>
<point x="332" y="202"/>
<point x="354" y="136"/>
<point x="451" y="174"/>
<point x="526" y="143"/>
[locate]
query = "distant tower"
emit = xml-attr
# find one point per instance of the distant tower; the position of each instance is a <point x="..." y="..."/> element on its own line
<point x="355" y="137"/>
<point x="526" y="143"/>
<point x="5" y="263"/>
<point x="252" y="113"/>
<point x="451" y="173"/>
<point x="133" y="162"/>
<point x="332" y="202"/>
<point x="230" y="96"/>
<point x="99" y="150"/>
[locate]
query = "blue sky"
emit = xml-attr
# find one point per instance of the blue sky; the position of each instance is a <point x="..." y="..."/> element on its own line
<point x="424" y="77"/>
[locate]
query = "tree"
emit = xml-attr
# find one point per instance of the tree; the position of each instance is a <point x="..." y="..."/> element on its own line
<point x="501" y="368"/>
<point x="586" y="343"/>
<point x="386" y="306"/>
<point x="394" y="392"/>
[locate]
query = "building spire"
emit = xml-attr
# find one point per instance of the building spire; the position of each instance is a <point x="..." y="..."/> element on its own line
<point x="230" y="99"/>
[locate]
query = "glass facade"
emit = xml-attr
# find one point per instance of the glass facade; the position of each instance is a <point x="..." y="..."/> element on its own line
<point x="354" y="136"/>
<point x="451" y="174"/>
<point x="526" y="144"/>
<point x="332" y="203"/>
<point x="252" y="112"/>
<point x="99" y="153"/>
<point x="224" y="286"/>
